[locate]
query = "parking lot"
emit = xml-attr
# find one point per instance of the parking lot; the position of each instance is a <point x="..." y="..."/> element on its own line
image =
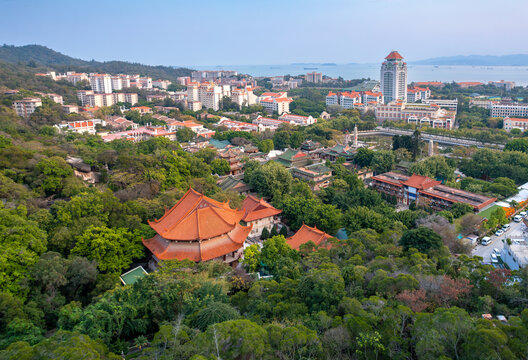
<point x="516" y="230"/>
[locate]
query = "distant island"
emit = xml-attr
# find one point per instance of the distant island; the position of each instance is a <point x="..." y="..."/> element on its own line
<point x="476" y="60"/>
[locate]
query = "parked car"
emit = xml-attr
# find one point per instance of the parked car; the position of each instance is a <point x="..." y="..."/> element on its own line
<point x="523" y="213"/>
<point x="499" y="232"/>
<point x="506" y="227"/>
<point x="517" y="218"/>
<point x="494" y="258"/>
<point x="486" y="240"/>
<point x="496" y="251"/>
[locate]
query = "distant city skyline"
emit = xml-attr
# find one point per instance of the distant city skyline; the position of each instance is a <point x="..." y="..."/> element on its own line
<point x="235" y="32"/>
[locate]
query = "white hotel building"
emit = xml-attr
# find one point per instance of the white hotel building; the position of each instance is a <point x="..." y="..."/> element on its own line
<point x="393" y="78"/>
<point x="509" y="109"/>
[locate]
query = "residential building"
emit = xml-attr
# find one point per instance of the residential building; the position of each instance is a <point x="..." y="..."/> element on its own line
<point x="55" y="98"/>
<point x="298" y="119"/>
<point x="259" y="214"/>
<point x="198" y="129"/>
<point x="211" y="75"/>
<point x="157" y="97"/>
<point x="101" y="83"/>
<point x="278" y="102"/>
<point x="293" y="158"/>
<point x="131" y="98"/>
<point x="264" y="123"/>
<point x="308" y="234"/>
<point x="393" y="78"/>
<point x="347" y="100"/>
<point x="482" y="103"/>
<point x="120" y="123"/>
<point x="27" y="106"/>
<point x="515" y="123"/>
<point x="84" y="126"/>
<point x="162" y="84"/>
<point x="416" y="93"/>
<point x="194" y="105"/>
<point x="314" y="77"/>
<point x="142" y="109"/>
<point x="237" y="125"/>
<point x="70" y="109"/>
<point x="370" y="97"/>
<point x="76" y="77"/>
<point x="509" y="109"/>
<point x="243" y="97"/>
<point x="426" y="191"/>
<point x="318" y="176"/>
<point x="83" y="94"/>
<point x="198" y="228"/>
<point x="146" y="82"/>
<point x="183" y="80"/>
<point x="507" y="85"/>
<point x="117" y="82"/>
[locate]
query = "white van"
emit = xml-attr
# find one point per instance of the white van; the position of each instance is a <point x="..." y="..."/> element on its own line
<point x="486" y="240"/>
<point x="517" y="218"/>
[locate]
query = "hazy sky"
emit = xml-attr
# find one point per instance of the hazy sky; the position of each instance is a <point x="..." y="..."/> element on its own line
<point x="232" y="32"/>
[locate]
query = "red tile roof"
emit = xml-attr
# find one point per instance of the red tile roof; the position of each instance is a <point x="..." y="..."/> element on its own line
<point x="394" y="55"/>
<point x="306" y="234"/>
<point x="197" y="228"/>
<point x="420" y="182"/>
<point x="256" y="209"/>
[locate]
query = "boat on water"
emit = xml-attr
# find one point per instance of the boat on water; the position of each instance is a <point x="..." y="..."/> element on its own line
<point x="310" y="68"/>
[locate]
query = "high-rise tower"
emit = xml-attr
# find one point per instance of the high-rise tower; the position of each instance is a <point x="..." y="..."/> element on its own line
<point x="393" y="78"/>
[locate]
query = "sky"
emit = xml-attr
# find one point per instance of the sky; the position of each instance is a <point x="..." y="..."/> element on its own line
<point x="239" y="32"/>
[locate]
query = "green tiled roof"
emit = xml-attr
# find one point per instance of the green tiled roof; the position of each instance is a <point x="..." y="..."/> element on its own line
<point x="219" y="144"/>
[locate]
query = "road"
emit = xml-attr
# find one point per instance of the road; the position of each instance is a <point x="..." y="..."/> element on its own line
<point x="516" y="231"/>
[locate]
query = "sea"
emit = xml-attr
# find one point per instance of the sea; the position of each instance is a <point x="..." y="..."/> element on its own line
<point x="444" y="73"/>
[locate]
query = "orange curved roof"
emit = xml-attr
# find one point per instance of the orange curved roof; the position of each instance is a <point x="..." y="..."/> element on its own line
<point x="420" y="182"/>
<point x="306" y="234"/>
<point x="394" y="55"/>
<point x="256" y="209"/>
<point x="196" y="217"/>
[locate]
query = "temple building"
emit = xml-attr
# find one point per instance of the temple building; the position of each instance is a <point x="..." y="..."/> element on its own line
<point x="259" y="214"/>
<point x="198" y="228"/>
<point x="318" y="176"/>
<point x="233" y="157"/>
<point x="306" y="234"/>
<point x="293" y="158"/>
<point x="426" y="191"/>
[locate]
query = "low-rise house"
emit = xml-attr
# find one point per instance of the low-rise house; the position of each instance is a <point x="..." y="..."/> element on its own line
<point x="317" y="175"/>
<point x="142" y="109"/>
<point x="510" y="123"/>
<point x="26" y="106"/>
<point x="308" y="234"/>
<point x="515" y="255"/>
<point x="140" y="134"/>
<point x="84" y="126"/>
<point x="70" y="109"/>
<point x="259" y="214"/>
<point x="83" y="170"/>
<point x="237" y="125"/>
<point x="120" y="123"/>
<point x="298" y="119"/>
<point x="198" y="129"/>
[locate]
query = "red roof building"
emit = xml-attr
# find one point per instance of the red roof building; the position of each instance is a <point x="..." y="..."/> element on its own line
<point x="426" y="191"/>
<point x="198" y="228"/>
<point x="260" y="214"/>
<point x="306" y="234"/>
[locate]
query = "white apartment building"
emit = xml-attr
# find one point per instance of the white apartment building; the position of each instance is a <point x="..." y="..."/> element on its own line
<point x="89" y="98"/>
<point x="370" y="97"/>
<point x="515" y="123"/>
<point x="194" y="105"/>
<point x="75" y="77"/>
<point x="162" y="84"/>
<point x="27" y="106"/>
<point x="278" y="102"/>
<point x="210" y="95"/>
<point x="509" y="109"/>
<point x="70" y="109"/>
<point x="55" y="98"/>
<point x="211" y="75"/>
<point x="84" y="126"/>
<point x="117" y="82"/>
<point x="131" y="98"/>
<point x="101" y="83"/>
<point x="264" y="123"/>
<point x="515" y="255"/>
<point x="236" y="125"/>
<point x="243" y="97"/>
<point x="298" y="119"/>
<point x="146" y="82"/>
<point x="417" y="93"/>
<point x="314" y="77"/>
<point x="507" y="85"/>
<point x="332" y="99"/>
<point x="393" y="78"/>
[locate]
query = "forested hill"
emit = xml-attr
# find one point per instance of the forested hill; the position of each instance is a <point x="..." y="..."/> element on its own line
<point x="37" y="55"/>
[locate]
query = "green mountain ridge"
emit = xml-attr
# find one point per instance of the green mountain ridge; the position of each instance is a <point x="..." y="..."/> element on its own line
<point x="38" y="55"/>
